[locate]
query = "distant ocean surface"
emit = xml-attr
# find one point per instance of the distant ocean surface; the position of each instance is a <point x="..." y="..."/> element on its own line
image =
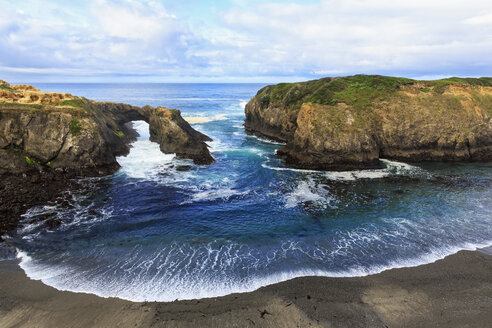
<point x="150" y="232"/>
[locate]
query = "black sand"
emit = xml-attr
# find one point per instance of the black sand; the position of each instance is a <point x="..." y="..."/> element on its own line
<point x="453" y="292"/>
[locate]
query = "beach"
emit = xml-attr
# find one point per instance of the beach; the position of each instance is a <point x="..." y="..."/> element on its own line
<point x="453" y="292"/>
<point x="245" y="164"/>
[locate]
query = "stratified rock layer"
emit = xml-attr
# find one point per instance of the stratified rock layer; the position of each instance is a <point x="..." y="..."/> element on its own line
<point x="352" y="122"/>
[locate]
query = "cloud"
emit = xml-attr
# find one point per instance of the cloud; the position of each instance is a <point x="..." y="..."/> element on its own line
<point x="121" y="37"/>
<point x="143" y="40"/>
<point x="413" y="38"/>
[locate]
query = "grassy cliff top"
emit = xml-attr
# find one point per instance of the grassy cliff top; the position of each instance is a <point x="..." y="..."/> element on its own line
<point x="28" y="98"/>
<point x="75" y="106"/>
<point x="357" y="90"/>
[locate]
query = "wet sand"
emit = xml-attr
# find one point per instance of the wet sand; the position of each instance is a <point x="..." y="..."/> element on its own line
<point x="453" y="292"/>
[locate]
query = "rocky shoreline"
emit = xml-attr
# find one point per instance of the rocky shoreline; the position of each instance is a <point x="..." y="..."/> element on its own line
<point x="47" y="139"/>
<point x="453" y="292"/>
<point x="351" y="122"/>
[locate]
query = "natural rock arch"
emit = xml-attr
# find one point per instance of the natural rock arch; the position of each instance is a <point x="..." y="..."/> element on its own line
<point x="59" y="131"/>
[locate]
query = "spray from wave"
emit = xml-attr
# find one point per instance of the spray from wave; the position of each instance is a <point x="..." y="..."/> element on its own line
<point x="145" y="159"/>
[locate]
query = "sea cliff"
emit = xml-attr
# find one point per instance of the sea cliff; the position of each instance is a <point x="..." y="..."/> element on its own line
<point x="60" y="131"/>
<point x="352" y="122"/>
<point x="48" y="138"/>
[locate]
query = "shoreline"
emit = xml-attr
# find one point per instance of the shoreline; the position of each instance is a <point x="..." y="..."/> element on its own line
<point x="31" y="272"/>
<point x="454" y="292"/>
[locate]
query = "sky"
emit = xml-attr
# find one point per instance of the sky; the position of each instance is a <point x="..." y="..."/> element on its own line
<point x="241" y="40"/>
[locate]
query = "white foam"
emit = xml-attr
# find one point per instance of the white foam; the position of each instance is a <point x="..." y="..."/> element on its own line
<point x="307" y="191"/>
<point x="170" y="282"/>
<point x="289" y="169"/>
<point x="392" y="168"/>
<point x="266" y="140"/>
<point x="214" y="194"/>
<point x="242" y="104"/>
<point x="145" y="159"/>
<point x="237" y="107"/>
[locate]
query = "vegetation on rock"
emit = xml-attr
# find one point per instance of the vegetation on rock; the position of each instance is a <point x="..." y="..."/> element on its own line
<point x="75" y="127"/>
<point x="76" y="102"/>
<point x="352" y="121"/>
<point x="43" y="125"/>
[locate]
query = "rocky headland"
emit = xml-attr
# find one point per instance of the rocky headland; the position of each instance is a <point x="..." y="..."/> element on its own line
<point x="48" y="138"/>
<point x="351" y="122"/>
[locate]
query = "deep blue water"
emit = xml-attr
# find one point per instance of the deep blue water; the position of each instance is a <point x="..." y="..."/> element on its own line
<point x="149" y="232"/>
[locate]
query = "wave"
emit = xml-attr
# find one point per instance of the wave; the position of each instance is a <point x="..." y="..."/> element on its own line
<point x="145" y="159"/>
<point x="392" y="168"/>
<point x="162" y="278"/>
<point x="307" y="192"/>
<point x="264" y="140"/>
<point x="242" y="104"/>
<point x="216" y="194"/>
<point x="196" y="99"/>
<point x="205" y="119"/>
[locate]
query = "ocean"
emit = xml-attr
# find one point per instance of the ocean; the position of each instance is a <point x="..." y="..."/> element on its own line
<point x="151" y="232"/>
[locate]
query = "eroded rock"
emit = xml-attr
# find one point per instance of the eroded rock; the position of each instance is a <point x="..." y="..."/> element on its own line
<point x="62" y="132"/>
<point x="352" y="122"/>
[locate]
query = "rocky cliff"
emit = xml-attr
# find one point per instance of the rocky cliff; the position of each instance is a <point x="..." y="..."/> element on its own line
<point x="48" y="138"/>
<point x="352" y="122"/>
<point x="175" y="135"/>
<point x="59" y="131"/>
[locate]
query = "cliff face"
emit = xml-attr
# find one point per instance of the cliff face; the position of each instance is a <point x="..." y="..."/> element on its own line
<point x="274" y="121"/>
<point x="59" y="131"/>
<point x="351" y="122"/>
<point x="48" y="138"/>
<point x="175" y="135"/>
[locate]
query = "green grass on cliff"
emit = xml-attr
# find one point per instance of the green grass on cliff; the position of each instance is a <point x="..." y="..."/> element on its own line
<point x="31" y="161"/>
<point x="440" y="85"/>
<point x="76" y="102"/>
<point x="20" y="106"/>
<point x="358" y="91"/>
<point x="35" y="108"/>
<point x="119" y="133"/>
<point x="3" y="87"/>
<point x="354" y="90"/>
<point x="75" y="127"/>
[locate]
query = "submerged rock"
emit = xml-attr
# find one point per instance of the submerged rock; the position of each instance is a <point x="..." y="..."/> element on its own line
<point x="183" y="168"/>
<point x="352" y="122"/>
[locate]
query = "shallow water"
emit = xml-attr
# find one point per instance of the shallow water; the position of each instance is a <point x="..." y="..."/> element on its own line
<point x="150" y="232"/>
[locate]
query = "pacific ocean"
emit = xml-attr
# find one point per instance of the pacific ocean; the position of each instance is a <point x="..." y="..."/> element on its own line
<point x="152" y="232"/>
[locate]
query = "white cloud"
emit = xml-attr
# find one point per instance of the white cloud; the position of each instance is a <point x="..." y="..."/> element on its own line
<point x="412" y="37"/>
<point x="482" y="19"/>
<point x="122" y="37"/>
<point x="282" y="40"/>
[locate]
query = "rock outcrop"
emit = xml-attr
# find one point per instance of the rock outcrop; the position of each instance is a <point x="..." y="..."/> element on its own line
<point x="59" y="131"/>
<point x="175" y="135"/>
<point x="48" y="138"/>
<point x="352" y="122"/>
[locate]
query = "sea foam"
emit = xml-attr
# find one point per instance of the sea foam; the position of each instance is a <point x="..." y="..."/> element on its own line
<point x="162" y="278"/>
<point x="145" y="159"/>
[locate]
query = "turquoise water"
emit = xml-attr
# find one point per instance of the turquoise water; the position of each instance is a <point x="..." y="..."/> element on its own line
<point x="150" y="232"/>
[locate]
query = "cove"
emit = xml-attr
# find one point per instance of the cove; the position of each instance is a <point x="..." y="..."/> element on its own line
<point x="151" y="232"/>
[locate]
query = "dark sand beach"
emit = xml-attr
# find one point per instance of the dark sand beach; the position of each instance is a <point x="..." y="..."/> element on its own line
<point x="453" y="292"/>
